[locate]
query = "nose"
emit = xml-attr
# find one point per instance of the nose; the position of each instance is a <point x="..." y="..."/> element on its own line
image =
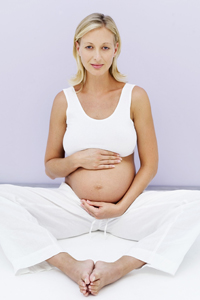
<point x="97" y="55"/>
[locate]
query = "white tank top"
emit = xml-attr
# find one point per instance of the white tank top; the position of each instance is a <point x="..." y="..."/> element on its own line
<point x="115" y="133"/>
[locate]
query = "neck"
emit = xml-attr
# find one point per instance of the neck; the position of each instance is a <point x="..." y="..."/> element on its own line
<point x="98" y="84"/>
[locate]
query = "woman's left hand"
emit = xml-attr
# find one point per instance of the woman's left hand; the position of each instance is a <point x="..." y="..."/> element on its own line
<point x="101" y="210"/>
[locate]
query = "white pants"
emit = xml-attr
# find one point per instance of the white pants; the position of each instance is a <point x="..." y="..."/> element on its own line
<point x="164" y="224"/>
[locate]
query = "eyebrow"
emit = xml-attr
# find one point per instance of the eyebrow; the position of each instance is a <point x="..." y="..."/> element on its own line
<point x="102" y="44"/>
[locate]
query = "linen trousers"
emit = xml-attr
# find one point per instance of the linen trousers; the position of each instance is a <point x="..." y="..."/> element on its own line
<point x="32" y="220"/>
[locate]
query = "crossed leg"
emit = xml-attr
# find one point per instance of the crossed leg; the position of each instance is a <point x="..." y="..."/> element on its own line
<point x="106" y="273"/>
<point x="91" y="277"/>
<point x="78" y="271"/>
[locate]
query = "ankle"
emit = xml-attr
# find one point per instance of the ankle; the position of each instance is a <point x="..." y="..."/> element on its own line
<point x="130" y="263"/>
<point x="59" y="260"/>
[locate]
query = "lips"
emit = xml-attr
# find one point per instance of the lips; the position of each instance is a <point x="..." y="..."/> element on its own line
<point x="96" y="66"/>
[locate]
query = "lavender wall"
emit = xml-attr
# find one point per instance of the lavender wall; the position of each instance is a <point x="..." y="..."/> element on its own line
<point x="160" y="52"/>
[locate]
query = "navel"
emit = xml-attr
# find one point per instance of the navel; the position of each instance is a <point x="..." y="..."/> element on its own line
<point x="98" y="186"/>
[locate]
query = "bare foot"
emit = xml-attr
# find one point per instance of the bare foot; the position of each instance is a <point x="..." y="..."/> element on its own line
<point x="105" y="273"/>
<point x="78" y="271"/>
<point x="81" y="274"/>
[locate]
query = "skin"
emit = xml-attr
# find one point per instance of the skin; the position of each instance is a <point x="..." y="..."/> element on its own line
<point x="98" y="47"/>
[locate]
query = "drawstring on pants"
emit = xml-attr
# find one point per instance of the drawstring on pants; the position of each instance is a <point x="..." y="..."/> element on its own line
<point x="105" y="228"/>
<point x="90" y="232"/>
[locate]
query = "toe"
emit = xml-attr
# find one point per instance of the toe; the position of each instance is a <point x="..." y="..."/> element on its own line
<point x="95" y="283"/>
<point x="94" y="291"/>
<point x="94" y="276"/>
<point x="84" y="292"/>
<point x="81" y="283"/>
<point x="82" y="289"/>
<point x="86" y="279"/>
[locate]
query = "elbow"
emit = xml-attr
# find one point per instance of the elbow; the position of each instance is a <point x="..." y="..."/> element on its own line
<point x="150" y="168"/>
<point x="154" y="169"/>
<point x="49" y="174"/>
<point x="153" y="164"/>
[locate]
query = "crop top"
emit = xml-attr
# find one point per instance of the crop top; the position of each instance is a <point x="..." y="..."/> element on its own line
<point x="115" y="133"/>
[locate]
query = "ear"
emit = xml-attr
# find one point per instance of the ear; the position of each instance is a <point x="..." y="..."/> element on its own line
<point x="116" y="48"/>
<point x="78" y="48"/>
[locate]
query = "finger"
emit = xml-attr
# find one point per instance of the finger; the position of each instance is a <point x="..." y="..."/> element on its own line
<point x="110" y="161"/>
<point x="89" y="213"/>
<point x="91" y="208"/>
<point x="110" y="157"/>
<point x="83" y="204"/>
<point x="93" y="203"/>
<point x="83" y="200"/>
<point x="109" y="153"/>
<point x="105" y="167"/>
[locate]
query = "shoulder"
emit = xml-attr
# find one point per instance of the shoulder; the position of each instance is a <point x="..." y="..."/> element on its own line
<point x="59" y="106"/>
<point x="139" y="95"/>
<point x="139" y="101"/>
<point x="60" y="100"/>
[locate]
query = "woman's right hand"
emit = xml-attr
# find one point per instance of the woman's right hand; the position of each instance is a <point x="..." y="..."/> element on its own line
<point x="95" y="159"/>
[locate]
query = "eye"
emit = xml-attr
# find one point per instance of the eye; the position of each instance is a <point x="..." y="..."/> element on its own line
<point x="105" y="48"/>
<point x="88" y="47"/>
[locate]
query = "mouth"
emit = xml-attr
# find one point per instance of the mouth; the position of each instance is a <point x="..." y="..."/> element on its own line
<point x="96" y="66"/>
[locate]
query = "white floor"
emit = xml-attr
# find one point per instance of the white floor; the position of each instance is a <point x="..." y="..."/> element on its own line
<point x="143" y="284"/>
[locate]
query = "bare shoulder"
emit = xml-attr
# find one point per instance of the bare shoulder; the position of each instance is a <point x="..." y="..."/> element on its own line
<point x="59" y="107"/>
<point x="139" y="102"/>
<point x="139" y="95"/>
<point x="60" y="100"/>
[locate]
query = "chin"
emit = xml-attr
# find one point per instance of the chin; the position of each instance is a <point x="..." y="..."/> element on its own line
<point x="98" y="72"/>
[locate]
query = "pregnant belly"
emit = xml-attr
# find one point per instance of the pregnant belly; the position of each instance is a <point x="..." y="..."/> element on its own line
<point x="103" y="185"/>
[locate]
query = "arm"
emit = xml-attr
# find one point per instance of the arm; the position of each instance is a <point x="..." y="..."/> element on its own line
<point x="56" y="164"/>
<point x="147" y="147"/>
<point x="148" y="154"/>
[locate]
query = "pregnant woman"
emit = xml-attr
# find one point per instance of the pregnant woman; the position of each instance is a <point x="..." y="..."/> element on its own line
<point x="95" y="126"/>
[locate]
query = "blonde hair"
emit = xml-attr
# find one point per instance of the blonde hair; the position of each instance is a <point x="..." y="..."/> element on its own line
<point x="94" y="21"/>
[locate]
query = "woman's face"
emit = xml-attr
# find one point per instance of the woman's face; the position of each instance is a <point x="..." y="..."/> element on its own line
<point x="97" y="50"/>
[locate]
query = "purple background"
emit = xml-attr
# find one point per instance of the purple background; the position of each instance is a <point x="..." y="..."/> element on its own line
<point x="160" y="52"/>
